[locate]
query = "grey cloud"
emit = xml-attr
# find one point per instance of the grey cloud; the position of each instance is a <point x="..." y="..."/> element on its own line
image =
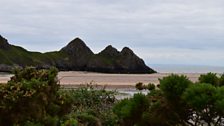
<point x="49" y="24"/>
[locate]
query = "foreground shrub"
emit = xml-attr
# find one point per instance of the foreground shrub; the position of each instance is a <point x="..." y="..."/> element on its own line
<point x="206" y="102"/>
<point x="130" y="111"/>
<point x="70" y="122"/>
<point x="221" y="80"/>
<point x="32" y="95"/>
<point x="92" y="106"/>
<point x="219" y="103"/>
<point x="209" y="78"/>
<point x="173" y="86"/>
<point x="33" y="98"/>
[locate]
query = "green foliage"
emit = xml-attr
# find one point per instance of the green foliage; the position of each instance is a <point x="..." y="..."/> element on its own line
<point x="97" y="104"/>
<point x="70" y="122"/>
<point x="207" y="104"/>
<point x="29" y="123"/>
<point x="219" y="100"/>
<point x="130" y="111"/>
<point x="30" y="95"/>
<point x="200" y="96"/>
<point x="209" y="78"/>
<point x="34" y="98"/>
<point x="178" y="102"/>
<point x="173" y="86"/>
<point x="221" y="80"/>
<point x="88" y="119"/>
<point x="141" y="86"/>
<point x="151" y="87"/>
<point x="22" y="57"/>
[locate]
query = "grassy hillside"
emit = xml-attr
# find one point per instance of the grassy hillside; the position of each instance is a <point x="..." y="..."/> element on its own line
<point x="19" y="56"/>
<point x="15" y="54"/>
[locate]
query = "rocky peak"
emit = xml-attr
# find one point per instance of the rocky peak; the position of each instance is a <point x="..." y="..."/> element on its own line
<point x="127" y="51"/>
<point x="110" y="51"/>
<point x="4" y="43"/>
<point x="76" y="47"/>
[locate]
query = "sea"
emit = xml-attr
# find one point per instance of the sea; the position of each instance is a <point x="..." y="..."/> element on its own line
<point x="171" y="68"/>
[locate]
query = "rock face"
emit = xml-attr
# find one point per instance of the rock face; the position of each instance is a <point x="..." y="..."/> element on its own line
<point x="113" y="61"/>
<point x="110" y="51"/>
<point x="78" y="54"/>
<point x="75" y="56"/>
<point x="4" y="43"/>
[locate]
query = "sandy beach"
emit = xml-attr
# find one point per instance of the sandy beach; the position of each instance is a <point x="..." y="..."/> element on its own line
<point x="74" y="78"/>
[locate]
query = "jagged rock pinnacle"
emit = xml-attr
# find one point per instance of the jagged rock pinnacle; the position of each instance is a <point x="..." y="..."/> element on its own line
<point x="110" y="51"/>
<point x="77" y="46"/>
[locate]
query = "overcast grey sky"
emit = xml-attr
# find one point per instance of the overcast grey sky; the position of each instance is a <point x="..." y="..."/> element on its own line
<point x="159" y="31"/>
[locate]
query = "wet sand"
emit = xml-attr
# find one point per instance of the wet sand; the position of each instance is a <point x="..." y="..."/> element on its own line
<point x="74" y="79"/>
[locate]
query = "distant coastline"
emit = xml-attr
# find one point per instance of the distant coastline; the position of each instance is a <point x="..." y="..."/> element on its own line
<point x="178" y="68"/>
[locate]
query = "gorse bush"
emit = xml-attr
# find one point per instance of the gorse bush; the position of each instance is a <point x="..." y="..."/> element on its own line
<point x="32" y="96"/>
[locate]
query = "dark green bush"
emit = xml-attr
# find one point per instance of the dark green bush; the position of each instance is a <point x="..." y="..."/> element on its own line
<point x="219" y="103"/>
<point x="151" y="87"/>
<point x="130" y="111"/>
<point x="32" y="95"/>
<point x="173" y="86"/>
<point x="70" y="122"/>
<point x="221" y="80"/>
<point x="139" y="86"/>
<point x="94" y="103"/>
<point x="209" y="78"/>
<point x="207" y="103"/>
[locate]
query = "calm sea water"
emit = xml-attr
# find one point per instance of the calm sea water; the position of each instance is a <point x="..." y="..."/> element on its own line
<point x="186" y="68"/>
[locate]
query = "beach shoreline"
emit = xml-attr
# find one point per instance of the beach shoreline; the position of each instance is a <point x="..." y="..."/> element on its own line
<point x="74" y="79"/>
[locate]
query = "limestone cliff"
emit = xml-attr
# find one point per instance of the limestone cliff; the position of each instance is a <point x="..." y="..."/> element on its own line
<point x="75" y="56"/>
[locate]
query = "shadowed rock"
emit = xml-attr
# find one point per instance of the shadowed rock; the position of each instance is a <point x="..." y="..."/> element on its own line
<point x="110" y="51"/>
<point x="4" y="43"/>
<point x="74" y="56"/>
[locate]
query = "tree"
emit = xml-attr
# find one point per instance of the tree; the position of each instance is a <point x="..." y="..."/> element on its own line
<point x="221" y="80"/>
<point x="219" y="105"/>
<point x="173" y="86"/>
<point x="206" y="102"/>
<point x="209" y="78"/>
